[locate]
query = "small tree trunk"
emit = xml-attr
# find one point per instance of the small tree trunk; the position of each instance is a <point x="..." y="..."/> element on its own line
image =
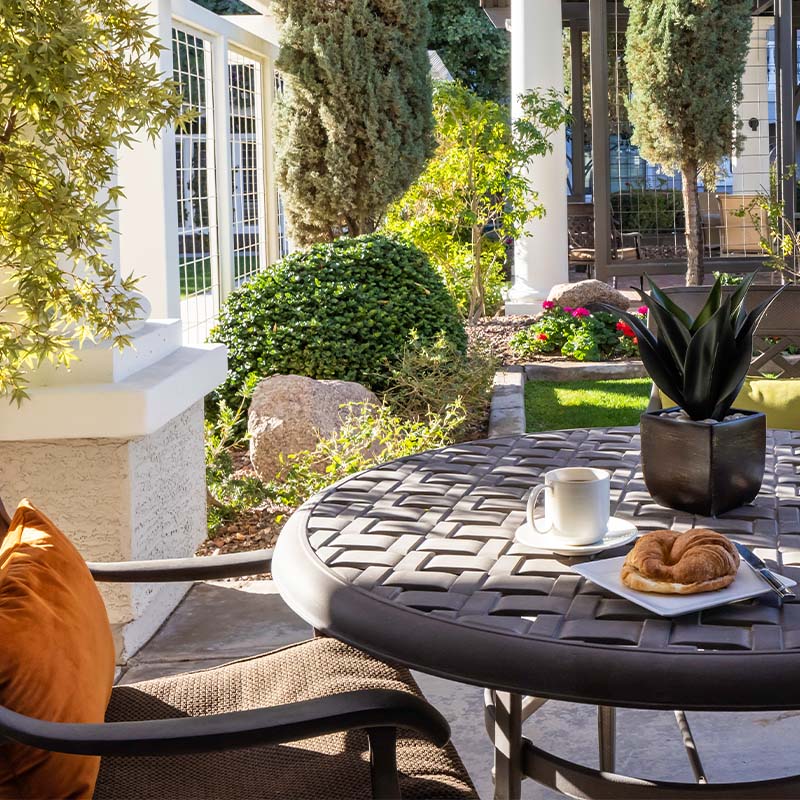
<point x="694" y="230"/>
<point x="477" y="304"/>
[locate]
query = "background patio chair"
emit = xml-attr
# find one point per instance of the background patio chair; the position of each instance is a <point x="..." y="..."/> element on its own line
<point x="580" y="223"/>
<point x="773" y="384"/>
<point x="711" y="220"/>
<point x="313" y="720"/>
<point x="738" y="235"/>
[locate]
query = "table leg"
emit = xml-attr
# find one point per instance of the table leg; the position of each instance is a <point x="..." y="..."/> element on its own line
<point x="507" y="746"/>
<point x="607" y="737"/>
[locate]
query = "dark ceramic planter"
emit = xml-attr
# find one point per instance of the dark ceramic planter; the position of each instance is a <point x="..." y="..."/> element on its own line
<point x="703" y="468"/>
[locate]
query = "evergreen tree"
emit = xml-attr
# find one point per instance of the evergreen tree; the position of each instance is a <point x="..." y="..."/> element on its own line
<point x="475" y="52"/>
<point x="685" y="60"/>
<point x="354" y="127"/>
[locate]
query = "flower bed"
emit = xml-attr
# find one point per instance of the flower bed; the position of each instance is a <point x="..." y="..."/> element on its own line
<point x="577" y="334"/>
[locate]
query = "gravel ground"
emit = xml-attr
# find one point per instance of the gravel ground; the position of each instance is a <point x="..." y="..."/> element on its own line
<point x="254" y="529"/>
<point x="497" y="331"/>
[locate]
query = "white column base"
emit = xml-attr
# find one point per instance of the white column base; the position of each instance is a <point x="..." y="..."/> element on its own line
<point x="120" y="500"/>
<point x="117" y="461"/>
<point x="522" y="298"/>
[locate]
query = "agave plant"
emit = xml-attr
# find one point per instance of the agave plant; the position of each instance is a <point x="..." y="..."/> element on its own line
<point x="699" y="363"/>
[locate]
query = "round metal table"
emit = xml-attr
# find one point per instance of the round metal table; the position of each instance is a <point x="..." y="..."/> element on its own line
<point x="415" y="561"/>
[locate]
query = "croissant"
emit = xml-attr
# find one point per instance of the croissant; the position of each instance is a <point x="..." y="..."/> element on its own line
<point x="668" y="562"/>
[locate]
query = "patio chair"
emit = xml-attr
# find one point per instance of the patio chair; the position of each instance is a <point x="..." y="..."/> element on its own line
<point x="580" y="224"/>
<point x="710" y="218"/>
<point x="772" y="385"/>
<point x="318" y="719"/>
<point x="738" y="234"/>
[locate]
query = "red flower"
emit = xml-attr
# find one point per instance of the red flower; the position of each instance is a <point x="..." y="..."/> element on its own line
<point x="581" y="312"/>
<point x="567" y="309"/>
<point x="636" y="340"/>
<point x="642" y="310"/>
<point x="542" y="337"/>
<point x="548" y="305"/>
<point x="626" y="329"/>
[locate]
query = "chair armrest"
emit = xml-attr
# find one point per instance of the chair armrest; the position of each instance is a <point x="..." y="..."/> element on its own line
<point x="373" y="708"/>
<point x="234" y="565"/>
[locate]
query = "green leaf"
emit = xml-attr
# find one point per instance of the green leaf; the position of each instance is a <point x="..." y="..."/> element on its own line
<point x="710" y="307"/>
<point x="680" y="314"/>
<point x="704" y="364"/>
<point x="671" y="330"/>
<point x="737" y="301"/>
<point x="657" y="359"/>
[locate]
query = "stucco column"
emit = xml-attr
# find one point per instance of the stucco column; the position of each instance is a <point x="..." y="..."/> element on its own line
<point x="751" y="166"/>
<point x="540" y="258"/>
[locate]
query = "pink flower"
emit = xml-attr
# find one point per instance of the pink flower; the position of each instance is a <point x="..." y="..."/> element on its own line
<point x="567" y="309"/>
<point x="548" y="305"/>
<point x="581" y="312"/>
<point x="642" y="310"/>
<point x="542" y="337"/>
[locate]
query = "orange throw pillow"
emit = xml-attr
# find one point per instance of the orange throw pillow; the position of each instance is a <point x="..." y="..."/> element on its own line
<point x="56" y="656"/>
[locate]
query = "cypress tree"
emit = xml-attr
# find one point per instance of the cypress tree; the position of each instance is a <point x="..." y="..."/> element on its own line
<point x="354" y="127"/>
<point x="685" y="60"/>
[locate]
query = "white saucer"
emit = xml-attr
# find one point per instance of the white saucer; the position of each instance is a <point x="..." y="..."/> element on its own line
<point x="619" y="532"/>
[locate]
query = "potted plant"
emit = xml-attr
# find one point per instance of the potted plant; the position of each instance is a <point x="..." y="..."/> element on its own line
<point x="701" y="455"/>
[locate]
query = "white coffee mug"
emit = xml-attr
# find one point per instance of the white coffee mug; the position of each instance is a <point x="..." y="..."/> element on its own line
<point x="576" y="505"/>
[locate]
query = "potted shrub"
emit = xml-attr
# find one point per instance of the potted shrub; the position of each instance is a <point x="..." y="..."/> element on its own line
<point x="701" y="455"/>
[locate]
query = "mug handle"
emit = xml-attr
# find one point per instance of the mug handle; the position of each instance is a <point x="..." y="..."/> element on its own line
<point x="532" y="498"/>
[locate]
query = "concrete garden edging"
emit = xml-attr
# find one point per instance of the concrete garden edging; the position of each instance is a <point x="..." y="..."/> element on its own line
<point x="507" y="413"/>
<point x="585" y="371"/>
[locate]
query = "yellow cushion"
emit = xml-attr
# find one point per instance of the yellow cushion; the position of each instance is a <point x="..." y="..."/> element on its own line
<point x="58" y="654"/>
<point x="778" y="398"/>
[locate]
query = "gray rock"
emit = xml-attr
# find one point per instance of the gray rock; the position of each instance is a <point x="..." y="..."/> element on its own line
<point x="583" y="293"/>
<point x="291" y="413"/>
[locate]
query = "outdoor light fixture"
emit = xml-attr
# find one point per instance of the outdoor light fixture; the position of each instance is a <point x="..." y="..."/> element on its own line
<point x="753" y="123"/>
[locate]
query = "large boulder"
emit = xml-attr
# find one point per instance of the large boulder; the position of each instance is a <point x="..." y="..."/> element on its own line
<point x="583" y="293"/>
<point x="290" y="413"/>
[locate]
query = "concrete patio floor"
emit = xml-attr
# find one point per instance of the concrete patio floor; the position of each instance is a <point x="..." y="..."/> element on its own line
<point x="225" y="620"/>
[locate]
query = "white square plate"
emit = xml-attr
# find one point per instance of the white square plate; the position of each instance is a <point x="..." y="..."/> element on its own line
<point x="605" y="572"/>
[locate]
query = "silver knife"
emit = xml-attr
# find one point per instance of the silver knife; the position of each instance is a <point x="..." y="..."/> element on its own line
<point x="764" y="571"/>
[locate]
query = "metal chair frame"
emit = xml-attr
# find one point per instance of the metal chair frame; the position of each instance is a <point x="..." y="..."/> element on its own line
<point x="378" y="712"/>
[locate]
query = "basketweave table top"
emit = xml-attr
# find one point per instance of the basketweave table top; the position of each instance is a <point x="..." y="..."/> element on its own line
<point x="415" y="560"/>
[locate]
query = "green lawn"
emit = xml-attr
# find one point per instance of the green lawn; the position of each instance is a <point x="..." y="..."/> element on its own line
<point x="550" y="405"/>
<point x="196" y="277"/>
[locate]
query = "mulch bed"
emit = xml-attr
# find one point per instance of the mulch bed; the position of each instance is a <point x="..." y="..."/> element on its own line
<point x="254" y="529"/>
<point x="497" y="331"/>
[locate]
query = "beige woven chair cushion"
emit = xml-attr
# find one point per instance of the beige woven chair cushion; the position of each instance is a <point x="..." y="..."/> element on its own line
<point x="324" y="768"/>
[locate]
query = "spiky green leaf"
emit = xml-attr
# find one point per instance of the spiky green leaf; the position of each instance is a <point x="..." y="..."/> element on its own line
<point x="703" y="361"/>
<point x="710" y="307"/>
<point x="679" y="313"/>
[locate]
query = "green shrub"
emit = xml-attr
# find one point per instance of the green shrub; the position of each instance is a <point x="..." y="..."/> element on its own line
<point x="430" y="378"/>
<point x="648" y="210"/>
<point x="728" y="279"/>
<point x="578" y="334"/>
<point x="370" y="435"/>
<point x="342" y="310"/>
<point x="228" y="493"/>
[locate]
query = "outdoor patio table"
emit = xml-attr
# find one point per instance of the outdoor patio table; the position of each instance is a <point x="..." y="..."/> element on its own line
<point x="415" y="561"/>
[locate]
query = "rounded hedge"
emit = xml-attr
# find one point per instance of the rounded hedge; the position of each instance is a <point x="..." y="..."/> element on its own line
<point x="341" y="310"/>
